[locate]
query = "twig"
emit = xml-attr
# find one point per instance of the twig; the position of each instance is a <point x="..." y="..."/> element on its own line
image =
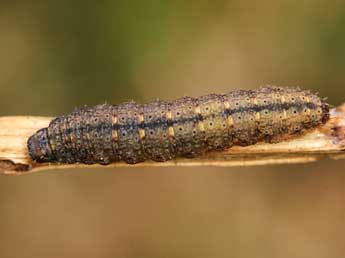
<point x="326" y="141"/>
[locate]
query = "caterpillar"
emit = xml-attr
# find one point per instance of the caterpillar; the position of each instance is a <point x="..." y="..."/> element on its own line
<point x="186" y="127"/>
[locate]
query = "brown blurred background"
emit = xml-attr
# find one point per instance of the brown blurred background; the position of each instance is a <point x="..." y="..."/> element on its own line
<point x="56" y="55"/>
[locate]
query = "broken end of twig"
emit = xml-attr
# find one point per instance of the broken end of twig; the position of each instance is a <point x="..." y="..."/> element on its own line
<point x="338" y="125"/>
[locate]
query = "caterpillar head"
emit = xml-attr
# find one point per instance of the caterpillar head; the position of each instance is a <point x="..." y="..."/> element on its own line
<point x="39" y="148"/>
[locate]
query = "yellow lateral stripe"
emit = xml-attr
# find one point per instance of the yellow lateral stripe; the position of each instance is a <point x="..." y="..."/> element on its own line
<point x="257" y="116"/>
<point x="168" y="115"/>
<point x="140" y="118"/>
<point x="230" y="121"/>
<point x="171" y="131"/>
<point x="114" y="134"/>
<point x="142" y="133"/>
<point x="201" y="126"/>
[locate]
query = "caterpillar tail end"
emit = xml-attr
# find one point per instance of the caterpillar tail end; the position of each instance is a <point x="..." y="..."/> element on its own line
<point x="39" y="147"/>
<point x="325" y="112"/>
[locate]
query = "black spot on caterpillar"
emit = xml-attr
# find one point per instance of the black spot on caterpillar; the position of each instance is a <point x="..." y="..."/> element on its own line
<point x="184" y="127"/>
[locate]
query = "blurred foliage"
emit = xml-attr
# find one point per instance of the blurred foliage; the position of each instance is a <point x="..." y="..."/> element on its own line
<point x="57" y="55"/>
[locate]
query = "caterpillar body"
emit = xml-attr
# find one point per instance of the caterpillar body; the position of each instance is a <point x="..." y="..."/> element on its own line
<point x="185" y="127"/>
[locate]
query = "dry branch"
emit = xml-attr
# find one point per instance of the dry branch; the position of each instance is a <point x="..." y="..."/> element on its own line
<point x="326" y="141"/>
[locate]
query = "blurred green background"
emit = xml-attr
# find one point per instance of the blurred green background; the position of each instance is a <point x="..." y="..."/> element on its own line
<point x="58" y="55"/>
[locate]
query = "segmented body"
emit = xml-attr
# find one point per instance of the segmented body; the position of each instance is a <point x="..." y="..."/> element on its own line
<point x="185" y="127"/>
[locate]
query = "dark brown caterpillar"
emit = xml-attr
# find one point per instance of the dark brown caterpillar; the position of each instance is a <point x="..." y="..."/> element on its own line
<point x="185" y="127"/>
